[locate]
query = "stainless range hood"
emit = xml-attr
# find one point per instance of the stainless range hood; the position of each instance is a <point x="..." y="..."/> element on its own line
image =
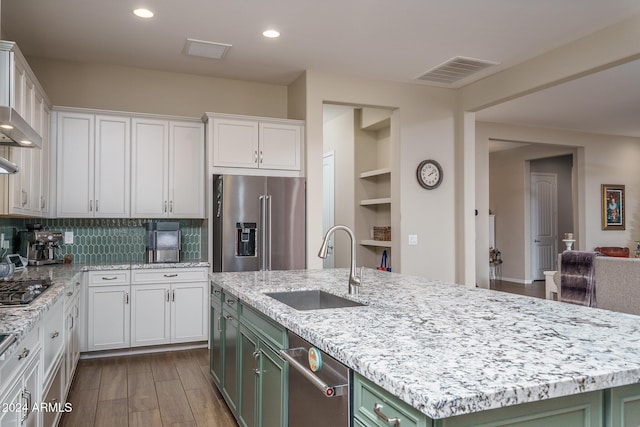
<point x="15" y="131"/>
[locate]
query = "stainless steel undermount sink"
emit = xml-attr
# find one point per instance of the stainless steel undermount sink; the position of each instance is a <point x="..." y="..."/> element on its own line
<point x="313" y="300"/>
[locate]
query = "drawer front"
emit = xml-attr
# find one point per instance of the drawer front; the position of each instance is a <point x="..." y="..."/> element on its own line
<point x="73" y="287"/>
<point x="216" y="293"/>
<point x="19" y="358"/>
<point x="52" y="337"/>
<point x="54" y="398"/>
<point x="229" y="301"/>
<point x="169" y="275"/>
<point x="372" y="406"/>
<point x="109" y="278"/>
<point x="268" y="330"/>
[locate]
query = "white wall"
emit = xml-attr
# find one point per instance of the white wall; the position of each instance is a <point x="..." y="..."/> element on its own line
<point x="601" y="159"/>
<point x="424" y="121"/>
<point x="112" y="87"/>
<point x="339" y="137"/>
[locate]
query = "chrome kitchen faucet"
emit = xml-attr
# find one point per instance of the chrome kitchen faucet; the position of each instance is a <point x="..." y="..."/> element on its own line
<point x="355" y="280"/>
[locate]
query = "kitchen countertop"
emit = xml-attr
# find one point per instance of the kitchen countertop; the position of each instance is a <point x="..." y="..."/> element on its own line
<point x="20" y="320"/>
<point x="450" y="349"/>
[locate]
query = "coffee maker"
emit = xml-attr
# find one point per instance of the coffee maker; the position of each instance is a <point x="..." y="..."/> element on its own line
<point x="163" y="241"/>
<point x="39" y="246"/>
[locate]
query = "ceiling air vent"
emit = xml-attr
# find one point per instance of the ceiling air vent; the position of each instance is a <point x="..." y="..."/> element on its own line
<point x="455" y="69"/>
<point x="205" y="48"/>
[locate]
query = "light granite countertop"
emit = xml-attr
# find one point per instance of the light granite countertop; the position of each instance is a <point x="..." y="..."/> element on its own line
<point x="450" y="349"/>
<point x="20" y="320"/>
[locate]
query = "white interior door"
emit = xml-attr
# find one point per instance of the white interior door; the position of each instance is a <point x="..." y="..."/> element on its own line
<point x="544" y="223"/>
<point x="328" y="202"/>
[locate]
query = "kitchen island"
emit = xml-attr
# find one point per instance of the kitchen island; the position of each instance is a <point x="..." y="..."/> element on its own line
<point x="448" y="350"/>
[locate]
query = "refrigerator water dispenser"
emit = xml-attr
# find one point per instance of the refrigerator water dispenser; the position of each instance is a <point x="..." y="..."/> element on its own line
<point x="246" y="238"/>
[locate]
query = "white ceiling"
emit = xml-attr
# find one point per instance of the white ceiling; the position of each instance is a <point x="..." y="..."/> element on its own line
<point x="379" y="39"/>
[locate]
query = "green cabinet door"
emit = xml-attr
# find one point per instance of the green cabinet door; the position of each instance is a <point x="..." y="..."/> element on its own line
<point x="230" y="356"/>
<point x="273" y="390"/>
<point x="215" y="343"/>
<point x="249" y="359"/>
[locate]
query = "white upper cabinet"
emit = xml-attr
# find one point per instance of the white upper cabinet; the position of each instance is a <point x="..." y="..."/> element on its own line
<point x="167" y="169"/>
<point x="254" y="143"/>
<point x="24" y="193"/>
<point x="93" y="165"/>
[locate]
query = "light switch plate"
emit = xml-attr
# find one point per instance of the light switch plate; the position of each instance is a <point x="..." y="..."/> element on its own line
<point x="68" y="237"/>
<point x="413" y="239"/>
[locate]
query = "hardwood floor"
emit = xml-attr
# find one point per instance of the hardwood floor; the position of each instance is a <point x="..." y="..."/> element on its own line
<point x="158" y="389"/>
<point x="535" y="289"/>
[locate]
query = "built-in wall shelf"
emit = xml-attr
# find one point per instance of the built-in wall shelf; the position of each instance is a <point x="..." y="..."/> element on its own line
<point x="372" y="202"/>
<point x="378" y="243"/>
<point x="375" y="173"/>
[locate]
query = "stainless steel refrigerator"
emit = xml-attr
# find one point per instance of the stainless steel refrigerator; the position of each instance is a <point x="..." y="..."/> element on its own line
<point x="258" y="223"/>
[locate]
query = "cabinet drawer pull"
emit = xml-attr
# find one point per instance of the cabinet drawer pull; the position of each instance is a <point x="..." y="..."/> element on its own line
<point x="69" y="294"/>
<point x="109" y="278"/>
<point x="26" y="394"/>
<point x="171" y="275"/>
<point x="377" y="409"/>
<point x="24" y="354"/>
<point x="55" y="335"/>
<point x="216" y="292"/>
<point x="228" y="317"/>
<point x="231" y="301"/>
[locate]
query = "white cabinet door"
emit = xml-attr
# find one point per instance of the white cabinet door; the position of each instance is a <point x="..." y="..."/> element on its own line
<point x="13" y="399"/>
<point x="149" y="168"/>
<point x="279" y="146"/>
<point x="186" y="170"/>
<point x="75" y="164"/>
<point x="108" y="317"/>
<point x="189" y="312"/>
<point x="112" y="172"/>
<point x="150" y="314"/>
<point x="235" y="143"/>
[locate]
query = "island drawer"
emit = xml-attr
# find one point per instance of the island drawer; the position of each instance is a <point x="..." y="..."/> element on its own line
<point x="371" y="404"/>
<point x="109" y="277"/>
<point x="169" y="275"/>
<point x="216" y="293"/>
<point x="268" y="330"/>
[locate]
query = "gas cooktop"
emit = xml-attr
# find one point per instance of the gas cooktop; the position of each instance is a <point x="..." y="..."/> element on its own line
<point x="22" y="292"/>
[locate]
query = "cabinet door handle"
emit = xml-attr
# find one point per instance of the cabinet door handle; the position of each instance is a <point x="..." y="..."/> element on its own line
<point x="377" y="409"/>
<point x="25" y="353"/>
<point x="261" y="157"/>
<point x="165" y="206"/>
<point x="26" y="394"/>
<point x="171" y="275"/>
<point x="42" y="202"/>
<point x="256" y="356"/>
<point x="220" y="323"/>
<point x="24" y="198"/>
<point x="255" y="156"/>
<point x="55" y="335"/>
<point x="126" y="297"/>
<point x="173" y="296"/>
<point x="97" y="205"/>
<point x="90" y="205"/>
<point x="168" y="298"/>
<point x="171" y="206"/>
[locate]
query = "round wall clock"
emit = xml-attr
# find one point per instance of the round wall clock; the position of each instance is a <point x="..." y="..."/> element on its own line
<point x="429" y="174"/>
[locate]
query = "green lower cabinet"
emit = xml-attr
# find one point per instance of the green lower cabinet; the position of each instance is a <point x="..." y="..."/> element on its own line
<point x="215" y="343"/>
<point x="375" y="407"/>
<point x="624" y="406"/>
<point x="230" y="328"/>
<point x="263" y="383"/>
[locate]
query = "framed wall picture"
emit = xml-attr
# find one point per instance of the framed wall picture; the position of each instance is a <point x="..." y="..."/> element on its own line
<point x="613" y="210"/>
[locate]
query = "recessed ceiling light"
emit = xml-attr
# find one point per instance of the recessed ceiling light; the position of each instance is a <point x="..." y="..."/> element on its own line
<point x="143" y="13"/>
<point x="272" y="34"/>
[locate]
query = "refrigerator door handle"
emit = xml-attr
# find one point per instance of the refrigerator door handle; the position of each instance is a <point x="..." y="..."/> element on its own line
<point x="268" y="234"/>
<point x="261" y="235"/>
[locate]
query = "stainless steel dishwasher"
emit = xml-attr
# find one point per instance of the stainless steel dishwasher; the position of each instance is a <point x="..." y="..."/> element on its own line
<point x="320" y="398"/>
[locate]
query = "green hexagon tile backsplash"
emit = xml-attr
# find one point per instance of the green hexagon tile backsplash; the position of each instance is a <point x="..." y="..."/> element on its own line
<point x="106" y="240"/>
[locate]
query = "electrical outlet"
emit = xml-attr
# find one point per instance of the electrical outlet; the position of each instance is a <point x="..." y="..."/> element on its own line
<point x="68" y="237"/>
<point x="413" y="239"/>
